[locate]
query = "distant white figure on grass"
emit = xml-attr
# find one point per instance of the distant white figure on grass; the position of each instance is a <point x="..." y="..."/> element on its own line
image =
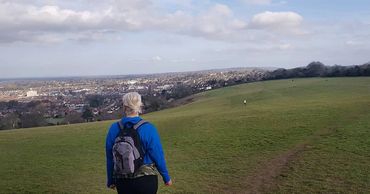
<point x="245" y="101"/>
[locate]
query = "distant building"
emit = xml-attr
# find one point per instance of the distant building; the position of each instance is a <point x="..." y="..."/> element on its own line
<point x="32" y="93"/>
<point x="140" y="87"/>
<point x="95" y="111"/>
<point x="132" y="82"/>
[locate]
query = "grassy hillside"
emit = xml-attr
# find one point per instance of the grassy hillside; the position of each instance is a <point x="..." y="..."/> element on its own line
<point x="304" y="136"/>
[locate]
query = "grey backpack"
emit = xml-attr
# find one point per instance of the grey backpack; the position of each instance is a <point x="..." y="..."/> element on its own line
<point x="127" y="151"/>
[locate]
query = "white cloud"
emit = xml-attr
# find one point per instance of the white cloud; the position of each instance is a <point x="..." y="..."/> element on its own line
<point x="285" y="46"/>
<point x="264" y="2"/>
<point x="157" y="58"/>
<point x="259" y="2"/>
<point x="217" y="21"/>
<point x="353" y="43"/>
<point x="276" y="20"/>
<point x="281" y="22"/>
<point x="18" y="20"/>
<point x="53" y="23"/>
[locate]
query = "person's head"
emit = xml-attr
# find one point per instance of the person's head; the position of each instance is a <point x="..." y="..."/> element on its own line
<point x="132" y="103"/>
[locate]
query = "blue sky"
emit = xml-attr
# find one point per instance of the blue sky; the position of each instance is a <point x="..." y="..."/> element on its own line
<point x="93" y="37"/>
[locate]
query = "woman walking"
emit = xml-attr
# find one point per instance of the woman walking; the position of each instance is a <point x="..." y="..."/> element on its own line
<point x="143" y="149"/>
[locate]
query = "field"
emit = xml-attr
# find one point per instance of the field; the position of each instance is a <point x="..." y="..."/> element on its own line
<point x="293" y="136"/>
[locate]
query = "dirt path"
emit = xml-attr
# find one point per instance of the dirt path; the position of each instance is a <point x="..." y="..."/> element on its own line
<point x="182" y="101"/>
<point x="263" y="179"/>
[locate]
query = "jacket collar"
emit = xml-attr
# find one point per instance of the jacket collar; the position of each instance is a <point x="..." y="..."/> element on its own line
<point x="132" y="120"/>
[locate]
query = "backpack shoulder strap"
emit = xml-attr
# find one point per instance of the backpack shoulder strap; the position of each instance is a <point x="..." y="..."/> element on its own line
<point x="141" y="122"/>
<point x="120" y="125"/>
<point x="121" y="128"/>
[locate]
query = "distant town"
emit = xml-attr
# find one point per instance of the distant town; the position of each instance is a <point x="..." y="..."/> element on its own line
<point x="55" y="101"/>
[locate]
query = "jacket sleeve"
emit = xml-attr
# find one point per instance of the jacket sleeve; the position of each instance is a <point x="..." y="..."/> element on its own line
<point x="155" y="152"/>
<point x="111" y="136"/>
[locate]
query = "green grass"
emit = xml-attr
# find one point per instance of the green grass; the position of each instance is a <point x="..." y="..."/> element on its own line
<point x="215" y="143"/>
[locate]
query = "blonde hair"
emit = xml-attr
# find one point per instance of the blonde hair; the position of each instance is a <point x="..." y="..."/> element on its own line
<point x="132" y="103"/>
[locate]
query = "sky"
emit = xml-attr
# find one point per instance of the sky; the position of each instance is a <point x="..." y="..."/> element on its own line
<point x="53" y="38"/>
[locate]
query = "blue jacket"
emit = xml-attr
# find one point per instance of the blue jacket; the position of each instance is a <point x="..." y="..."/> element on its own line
<point x="151" y="144"/>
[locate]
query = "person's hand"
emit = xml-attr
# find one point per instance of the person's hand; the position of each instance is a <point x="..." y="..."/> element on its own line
<point x="169" y="183"/>
<point x="112" y="186"/>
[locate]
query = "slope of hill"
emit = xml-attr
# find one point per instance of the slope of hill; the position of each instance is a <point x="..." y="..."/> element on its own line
<point x="301" y="135"/>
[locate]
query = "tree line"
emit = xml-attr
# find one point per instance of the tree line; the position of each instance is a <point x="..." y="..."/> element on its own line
<point x="318" y="69"/>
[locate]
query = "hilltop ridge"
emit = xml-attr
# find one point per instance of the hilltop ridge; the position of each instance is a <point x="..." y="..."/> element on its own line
<point x="308" y="131"/>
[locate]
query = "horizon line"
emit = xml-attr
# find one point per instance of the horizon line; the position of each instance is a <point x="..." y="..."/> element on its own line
<point x="158" y="73"/>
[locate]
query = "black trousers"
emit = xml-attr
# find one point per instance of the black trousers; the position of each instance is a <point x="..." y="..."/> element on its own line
<point x="142" y="185"/>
